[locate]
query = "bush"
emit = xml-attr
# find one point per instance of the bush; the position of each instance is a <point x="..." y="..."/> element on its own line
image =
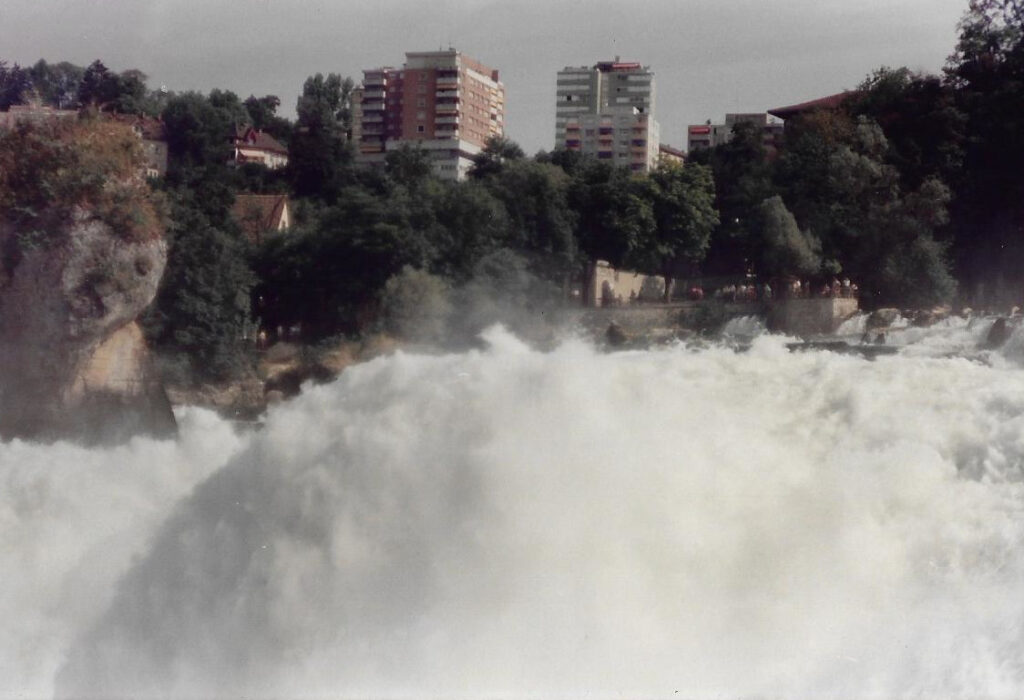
<point x="415" y="306"/>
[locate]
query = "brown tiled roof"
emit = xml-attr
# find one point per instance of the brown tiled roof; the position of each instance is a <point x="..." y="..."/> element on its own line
<point x="254" y="138"/>
<point x="830" y="102"/>
<point x="664" y="148"/>
<point x="258" y="214"/>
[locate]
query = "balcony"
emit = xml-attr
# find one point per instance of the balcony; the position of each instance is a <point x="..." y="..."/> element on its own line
<point x="373" y="94"/>
<point x="454" y="119"/>
<point x="446" y="94"/>
<point x="374" y="116"/>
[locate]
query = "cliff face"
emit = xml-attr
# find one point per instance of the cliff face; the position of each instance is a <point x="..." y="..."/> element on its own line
<point x="72" y="361"/>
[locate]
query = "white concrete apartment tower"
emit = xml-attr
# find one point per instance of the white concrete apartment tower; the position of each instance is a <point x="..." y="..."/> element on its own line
<point x="607" y="111"/>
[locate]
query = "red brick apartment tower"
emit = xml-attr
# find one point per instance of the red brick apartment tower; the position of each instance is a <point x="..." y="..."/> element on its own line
<point x="442" y="101"/>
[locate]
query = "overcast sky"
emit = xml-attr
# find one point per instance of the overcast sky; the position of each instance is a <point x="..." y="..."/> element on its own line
<point x="709" y="56"/>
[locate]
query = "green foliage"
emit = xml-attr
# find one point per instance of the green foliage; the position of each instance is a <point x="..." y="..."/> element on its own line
<point x="199" y="131"/>
<point x="497" y="152"/>
<point x="540" y="222"/>
<point x="786" y="250"/>
<point x="685" y="214"/>
<point x="102" y="89"/>
<point x="326" y="276"/>
<point x="319" y="156"/>
<point x="415" y="306"/>
<point x="743" y="180"/>
<point x="987" y="72"/>
<point x="15" y="84"/>
<point x="471" y="224"/>
<point x="262" y="114"/>
<point x="408" y="165"/>
<point x="615" y="211"/>
<point x="57" y="84"/>
<point x="202" y="308"/>
<point x="54" y="172"/>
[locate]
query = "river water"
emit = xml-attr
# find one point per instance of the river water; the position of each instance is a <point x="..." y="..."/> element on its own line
<point x="507" y="522"/>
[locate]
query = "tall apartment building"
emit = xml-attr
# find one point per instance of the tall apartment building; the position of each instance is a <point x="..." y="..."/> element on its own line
<point x="442" y="101"/>
<point x="607" y="111"/>
<point x="710" y="135"/>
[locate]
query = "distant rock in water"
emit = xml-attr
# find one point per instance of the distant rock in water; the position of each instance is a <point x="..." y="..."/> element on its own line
<point x="76" y="272"/>
<point x="882" y="318"/>
<point x="998" y="334"/>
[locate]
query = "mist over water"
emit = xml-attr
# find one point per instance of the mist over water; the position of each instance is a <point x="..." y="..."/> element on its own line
<point x="509" y="522"/>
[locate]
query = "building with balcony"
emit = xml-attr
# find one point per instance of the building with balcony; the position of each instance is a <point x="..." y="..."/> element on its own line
<point x="442" y="101"/>
<point x="606" y="111"/>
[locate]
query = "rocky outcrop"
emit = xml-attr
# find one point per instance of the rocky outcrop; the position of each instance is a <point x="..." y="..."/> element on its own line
<point x="882" y="318"/>
<point x="74" y="363"/>
<point x="998" y="334"/>
<point x="81" y="254"/>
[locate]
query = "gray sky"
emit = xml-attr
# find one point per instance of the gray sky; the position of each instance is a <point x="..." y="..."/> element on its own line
<point x="709" y="56"/>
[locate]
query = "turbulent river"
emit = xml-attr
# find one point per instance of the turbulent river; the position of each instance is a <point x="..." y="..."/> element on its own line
<point x="684" y="522"/>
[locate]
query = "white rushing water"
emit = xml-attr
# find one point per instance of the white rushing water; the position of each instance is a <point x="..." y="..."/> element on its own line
<point x="515" y="523"/>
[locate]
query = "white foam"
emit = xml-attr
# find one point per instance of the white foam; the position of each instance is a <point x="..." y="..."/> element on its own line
<point x="514" y="523"/>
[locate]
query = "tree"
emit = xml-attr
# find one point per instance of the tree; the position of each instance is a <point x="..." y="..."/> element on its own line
<point x="199" y="130"/>
<point x="987" y="72"/>
<point x="15" y="84"/>
<point x="541" y="225"/>
<point x="263" y="116"/>
<point x="786" y="249"/>
<point x="318" y="152"/>
<point x="614" y="209"/>
<point x="836" y="180"/>
<point x="415" y="306"/>
<point x="409" y="165"/>
<point x="57" y="84"/>
<point x="497" y="152"/>
<point x="471" y="223"/>
<point x="684" y="217"/>
<point x="202" y="309"/>
<point x="743" y="180"/>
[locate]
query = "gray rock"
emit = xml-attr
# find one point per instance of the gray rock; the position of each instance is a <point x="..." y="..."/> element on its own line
<point x="882" y="318"/>
<point x="75" y="365"/>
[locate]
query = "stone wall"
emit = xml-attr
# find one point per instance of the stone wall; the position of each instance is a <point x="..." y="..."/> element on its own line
<point x="611" y="287"/>
<point x="816" y="316"/>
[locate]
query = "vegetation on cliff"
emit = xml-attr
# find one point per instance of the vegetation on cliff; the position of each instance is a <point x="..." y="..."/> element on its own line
<point x="57" y="172"/>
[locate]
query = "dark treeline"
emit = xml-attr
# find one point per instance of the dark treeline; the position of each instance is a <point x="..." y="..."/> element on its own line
<point x="911" y="188"/>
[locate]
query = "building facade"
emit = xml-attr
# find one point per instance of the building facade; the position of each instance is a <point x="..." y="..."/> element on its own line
<point x="607" y="111"/>
<point x="441" y="101"/>
<point x="710" y="135"/>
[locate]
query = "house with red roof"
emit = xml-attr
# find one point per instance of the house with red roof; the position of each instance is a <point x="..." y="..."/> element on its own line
<point x="254" y="146"/>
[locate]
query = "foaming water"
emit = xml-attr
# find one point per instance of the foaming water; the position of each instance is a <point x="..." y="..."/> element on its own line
<point x="515" y="523"/>
<point x="744" y="327"/>
<point x="72" y="520"/>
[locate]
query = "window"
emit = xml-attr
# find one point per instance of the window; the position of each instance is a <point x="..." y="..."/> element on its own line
<point x="421" y="102"/>
<point x="420" y="128"/>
